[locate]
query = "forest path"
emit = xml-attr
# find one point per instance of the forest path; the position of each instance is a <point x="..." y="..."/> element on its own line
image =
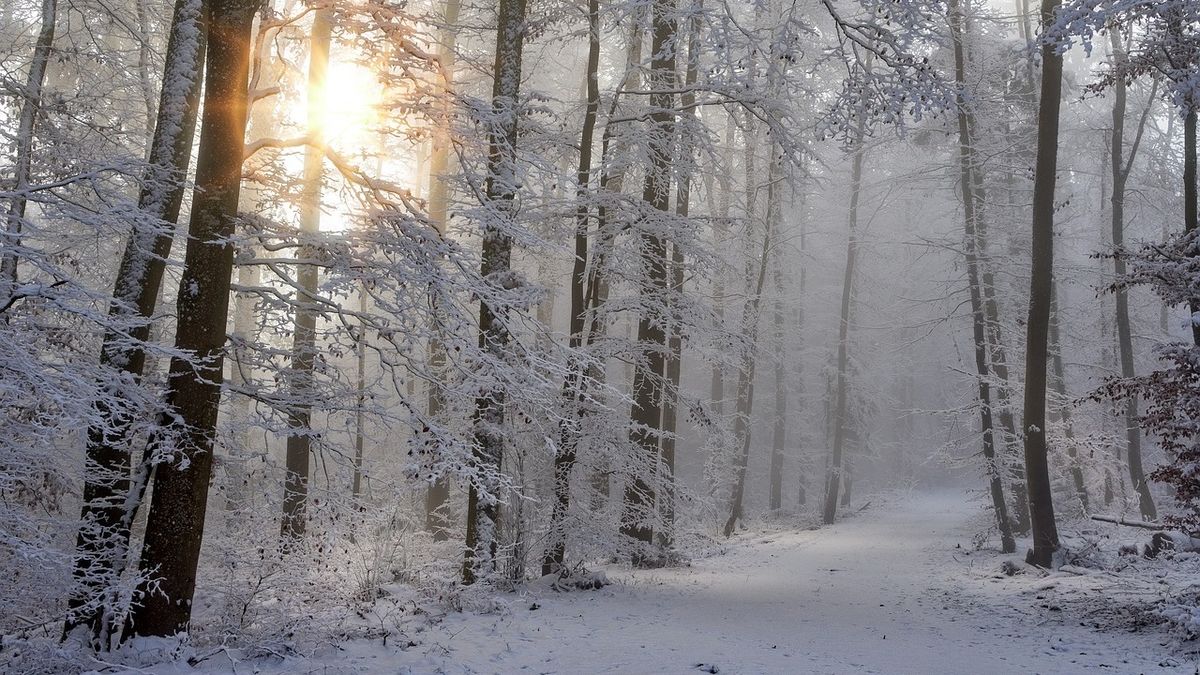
<point x="885" y="591"/>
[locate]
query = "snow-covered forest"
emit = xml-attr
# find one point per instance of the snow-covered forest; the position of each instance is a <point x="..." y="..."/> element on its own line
<point x="579" y="336"/>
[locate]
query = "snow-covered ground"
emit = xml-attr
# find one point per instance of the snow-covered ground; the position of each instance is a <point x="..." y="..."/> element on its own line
<point x="896" y="589"/>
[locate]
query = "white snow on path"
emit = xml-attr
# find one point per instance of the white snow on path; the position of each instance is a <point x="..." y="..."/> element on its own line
<point x="883" y="592"/>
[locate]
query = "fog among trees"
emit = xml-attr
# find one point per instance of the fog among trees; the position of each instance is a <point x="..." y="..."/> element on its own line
<point x="599" y="336"/>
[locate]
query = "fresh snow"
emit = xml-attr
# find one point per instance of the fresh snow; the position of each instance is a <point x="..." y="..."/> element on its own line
<point x="896" y="589"/>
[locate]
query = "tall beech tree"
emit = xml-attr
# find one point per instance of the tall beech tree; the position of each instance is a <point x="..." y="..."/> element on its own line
<point x="971" y="216"/>
<point x="109" y="497"/>
<point x="437" y="520"/>
<point x="1120" y="167"/>
<point x="646" y="411"/>
<point x="573" y="384"/>
<point x="1037" y="468"/>
<point x="483" y="505"/>
<point x="304" y="335"/>
<point x="183" y="447"/>
<point x="31" y="105"/>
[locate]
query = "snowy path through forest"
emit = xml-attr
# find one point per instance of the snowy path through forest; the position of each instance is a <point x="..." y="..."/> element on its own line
<point x="871" y="594"/>
<point x="885" y="592"/>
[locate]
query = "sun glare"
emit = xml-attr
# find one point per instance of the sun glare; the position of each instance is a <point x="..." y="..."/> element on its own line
<point x="351" y="99"/>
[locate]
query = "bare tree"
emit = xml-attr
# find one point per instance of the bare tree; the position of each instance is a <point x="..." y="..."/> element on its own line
<point x="1120" y="167"/>
<point x="304" y="336"/>
<point x="437" y="521"/>
<point x="183" y="447"/>
<point x="646" y="412"/>
<point x="108" y="503"/>
<point x="31" y="104"/>
<point x="483" y="506"/>
<point x="967" y="169"/>
<point x="1041" y="500"/>
<point x="573" y="384"/>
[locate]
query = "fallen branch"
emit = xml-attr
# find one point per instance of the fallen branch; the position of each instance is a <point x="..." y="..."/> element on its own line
<point x="1130" y="523"/>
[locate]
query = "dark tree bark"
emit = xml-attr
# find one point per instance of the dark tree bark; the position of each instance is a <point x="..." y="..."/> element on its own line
<point x="646" y="412"/>
<point x="564" y="460"/>
<point x="1120" y="174"/>
<point x="779" y="435"/>
<point x="175" y="526"/>
<point x="1060" y="387"/>
<point x="745" y="387"/>
<point x="1041" y="500"/>
<point x="971" y="216"/>
<point x="720" y="225"/>
<point x="1190" y="220"/>
<point x="833" y="478"/>
<point x="31" y="105"/>
<point x="483" y="508"/>
<point x="683" y="199"/>
<point x="108" y="502"/>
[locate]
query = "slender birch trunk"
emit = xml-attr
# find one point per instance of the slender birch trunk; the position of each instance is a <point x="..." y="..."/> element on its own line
<point x="1120" y="174"/>
<point x="569" y="432"/>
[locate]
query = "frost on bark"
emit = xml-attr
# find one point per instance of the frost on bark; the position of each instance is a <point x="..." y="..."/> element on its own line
<point x="971" y="216"/>
<point x="646" y="412"/>
<point x="573" y="393"/>
<point x="31" y="104"/>
<point x="110" y="494"/>
<point x="1120" y="174"/>
<point x="182" y="450"/>
<point x="483" y="506"/>
<point x="751" y="315"/>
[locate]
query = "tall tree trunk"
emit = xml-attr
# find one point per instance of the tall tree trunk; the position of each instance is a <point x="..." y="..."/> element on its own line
<point x="360" y="356"/>
<point x="1060" y="387"/>
<point x="108" y="504"/>
<point x="745" y="388"/>
<point x="569" y="429"/>
<point x="967" y="169"/>
<point x="683" y="198"/>
<point x="999" y="366"/>
<point x="611" y="182"/>
<point x="1041" y="500"/>
<point x="720" y="233"/>
<point x="833" y="479"/>
<point x="304" y="336"/>
<point x="175" y="526"/>
<point x="437" y="520"/>
<point x="31" y="104"/>
<point x="483" y="506"/>
<point x="646" y="411"/>
<point x="1190" y="219"/>
<point x="779" y="436"/>
<point x="802" y="467"/>
<point x="1120" y="173"/>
